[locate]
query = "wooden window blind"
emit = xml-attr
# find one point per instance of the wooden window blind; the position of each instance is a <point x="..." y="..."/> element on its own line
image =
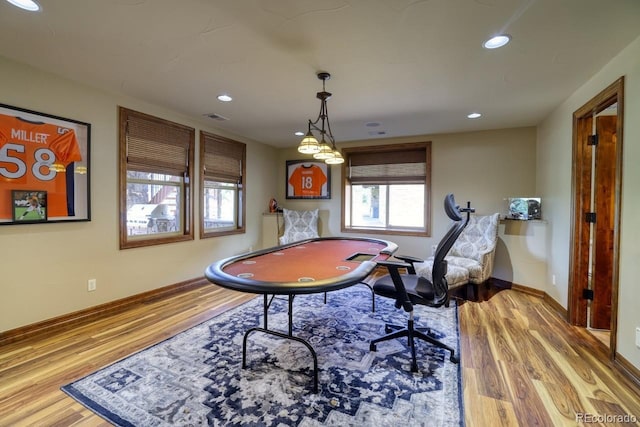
<point x="156" y="145"/>
<point x="383" y="166"/>
<point x="223" y="158"/>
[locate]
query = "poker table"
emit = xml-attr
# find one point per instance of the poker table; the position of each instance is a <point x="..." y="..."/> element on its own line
<point x="310" y="266"/>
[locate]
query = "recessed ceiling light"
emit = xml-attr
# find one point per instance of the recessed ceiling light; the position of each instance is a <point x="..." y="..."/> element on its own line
<point x="497" y="41"/>
<point x="299" y="133"/>
<point x="474" y="115"/>
<point x="29" y="5"/>
<point x="224" y="98"/>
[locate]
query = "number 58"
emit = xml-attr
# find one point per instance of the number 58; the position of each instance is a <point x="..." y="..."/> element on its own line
<point x="43" y="158"/>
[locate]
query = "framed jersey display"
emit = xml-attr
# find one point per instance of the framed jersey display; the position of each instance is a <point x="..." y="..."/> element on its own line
<point x="308" y="179"/>
<point x="44" y="167"/>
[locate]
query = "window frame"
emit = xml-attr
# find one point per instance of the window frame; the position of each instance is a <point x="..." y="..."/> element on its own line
<point x="186" y="202"/>
<point x="346" y="189"/>
<point x="240" y="201"/>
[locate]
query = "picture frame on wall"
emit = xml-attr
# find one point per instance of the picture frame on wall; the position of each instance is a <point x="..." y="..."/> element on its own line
<point x="308" y="179"/>
<point x="29" y="206"/>
<point x="44" y="167"/>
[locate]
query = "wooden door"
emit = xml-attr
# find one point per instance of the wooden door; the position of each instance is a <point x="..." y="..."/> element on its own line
<point x="604" y="262"/>
<point x="604" y="202"/>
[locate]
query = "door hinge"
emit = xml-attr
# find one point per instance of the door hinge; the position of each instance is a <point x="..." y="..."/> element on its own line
<point x="587" y="294"/>
<point x="592" y="140"/>
<point x="590" y="217"/>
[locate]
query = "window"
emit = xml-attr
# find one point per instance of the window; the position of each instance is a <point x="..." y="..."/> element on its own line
<point x="386" y="189"/>
<point x="222" y="171"/>
<point x="156" y="167"/>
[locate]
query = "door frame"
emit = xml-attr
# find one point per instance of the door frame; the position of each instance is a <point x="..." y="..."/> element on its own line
<point x="579" y="239"/>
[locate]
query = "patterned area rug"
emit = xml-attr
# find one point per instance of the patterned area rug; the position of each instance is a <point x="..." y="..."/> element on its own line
<point x="196" y="377"/>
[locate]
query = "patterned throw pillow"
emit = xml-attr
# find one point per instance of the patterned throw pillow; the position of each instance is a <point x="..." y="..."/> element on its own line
<point x="299" y="225"/>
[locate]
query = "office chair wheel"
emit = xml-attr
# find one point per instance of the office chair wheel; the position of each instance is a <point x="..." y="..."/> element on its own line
<point x="372" y="347"/>
<point x="454" y="359"/>
<point x="387" y="329"/>
<point x="414" y="368"/>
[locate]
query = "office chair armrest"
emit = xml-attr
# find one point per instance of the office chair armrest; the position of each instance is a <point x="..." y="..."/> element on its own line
<point x="409" y="259"/>
<point x="407" y="262"/>
<point x="393" y="264"/>
<point x="402" y="298"/>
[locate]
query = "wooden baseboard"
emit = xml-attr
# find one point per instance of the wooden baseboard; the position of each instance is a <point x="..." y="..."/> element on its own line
<point x="72" y="320"/>
<point x="532" y="291"/>
<point x="627" y="370"/>
<point x="556" y="306"/>
<point x="529" y="291"/>
<point x="505" y="284"/>
<point x="500" y="283"/>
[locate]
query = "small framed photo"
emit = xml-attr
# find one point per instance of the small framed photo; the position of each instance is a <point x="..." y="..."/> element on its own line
<point x="308" y="179"/>
<point x="29" y="205"/>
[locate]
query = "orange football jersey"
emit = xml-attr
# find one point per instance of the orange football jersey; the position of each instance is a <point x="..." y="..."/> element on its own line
<point x="307" y="181"/>
<point x="33" y="156"/>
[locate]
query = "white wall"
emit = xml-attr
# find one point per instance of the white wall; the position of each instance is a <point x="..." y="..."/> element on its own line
<point x="44" y="267"/>
<point x="521" y="253"/>
<point x="554" y="184"/>
<point x="483" y="167"/>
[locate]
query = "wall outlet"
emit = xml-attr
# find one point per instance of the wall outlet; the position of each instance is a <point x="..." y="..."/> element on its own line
<point x="91" y="285"/>
<point x="638" y="337"/>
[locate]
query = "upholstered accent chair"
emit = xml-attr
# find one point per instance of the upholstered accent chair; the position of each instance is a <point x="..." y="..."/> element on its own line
<point x="476" y="247"/>
<point x="299" y="225"/>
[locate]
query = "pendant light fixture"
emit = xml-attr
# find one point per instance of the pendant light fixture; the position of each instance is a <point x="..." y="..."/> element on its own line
<point x="323" y="150"/>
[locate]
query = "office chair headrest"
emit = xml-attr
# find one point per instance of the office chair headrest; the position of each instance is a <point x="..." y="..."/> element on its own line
<point x="451" y="208"/>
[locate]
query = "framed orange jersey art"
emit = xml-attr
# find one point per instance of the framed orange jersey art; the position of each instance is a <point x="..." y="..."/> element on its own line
<point x="47" y="156"/>
<point x="308" y="179"/>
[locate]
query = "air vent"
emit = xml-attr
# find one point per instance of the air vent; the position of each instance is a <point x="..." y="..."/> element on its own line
<point x="215" y="116"/>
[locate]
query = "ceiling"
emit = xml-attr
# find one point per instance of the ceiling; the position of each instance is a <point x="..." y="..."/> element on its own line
<point x="413" y="67"/>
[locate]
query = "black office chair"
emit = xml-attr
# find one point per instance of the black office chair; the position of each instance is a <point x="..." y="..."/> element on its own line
<point x="410" y="289"/>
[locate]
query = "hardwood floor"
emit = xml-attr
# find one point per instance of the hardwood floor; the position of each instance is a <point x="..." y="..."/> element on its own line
<point x="602" y="336"/>
<point x="521" y="363"/>
<point x="524" y="365"/>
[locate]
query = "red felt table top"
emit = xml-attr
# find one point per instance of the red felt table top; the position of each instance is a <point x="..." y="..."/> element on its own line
<point x="317" y="260"/>
<point x="311" y="266"/>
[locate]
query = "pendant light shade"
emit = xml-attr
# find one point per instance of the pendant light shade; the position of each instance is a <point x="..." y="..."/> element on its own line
<point x="309" y="144"/>
<point x="324" y="150"/>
